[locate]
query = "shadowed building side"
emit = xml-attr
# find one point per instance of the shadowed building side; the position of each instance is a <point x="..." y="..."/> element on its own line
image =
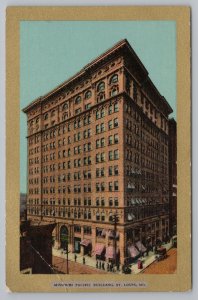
<point x="173" y="175"/>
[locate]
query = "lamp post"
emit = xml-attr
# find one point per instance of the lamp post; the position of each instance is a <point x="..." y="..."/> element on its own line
<point x="66" y="242"/>
<point x="115" y="220"/>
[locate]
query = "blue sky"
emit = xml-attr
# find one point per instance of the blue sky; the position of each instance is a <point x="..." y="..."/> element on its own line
<point x="52" y="51"/>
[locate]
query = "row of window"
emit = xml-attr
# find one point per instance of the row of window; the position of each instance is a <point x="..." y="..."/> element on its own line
<point x="100" y="201"/>
<point x="67" y="214"/>
<point x="100" y="172"/>
<point x="87" y="188"/>
<point x="100" y="157"/>
<point x="76" y="201"/>
<point x="78" y="136"/>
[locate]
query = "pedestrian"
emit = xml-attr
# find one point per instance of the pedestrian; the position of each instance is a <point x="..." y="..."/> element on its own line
<point x="75" y="257"/>
<point x="100" y="265"/>
<point x="83" y="260"/>
<point x="107" y="267"/>
<point x="118" y="267"/>
<point x="111" y="267"/>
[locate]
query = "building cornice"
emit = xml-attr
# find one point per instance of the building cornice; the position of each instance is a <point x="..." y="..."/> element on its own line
<point x="94" y="64"/>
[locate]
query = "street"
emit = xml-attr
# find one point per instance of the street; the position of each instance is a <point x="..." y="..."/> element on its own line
<point x="166" y="266"/>
<point x="149" y="264"/>
<point x="60" y="264"/>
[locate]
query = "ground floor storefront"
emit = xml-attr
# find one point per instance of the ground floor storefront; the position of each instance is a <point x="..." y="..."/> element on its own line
<point x="110" y="243"/>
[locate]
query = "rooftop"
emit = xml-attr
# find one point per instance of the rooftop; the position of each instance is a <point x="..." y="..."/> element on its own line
<point x="94" y="63"/>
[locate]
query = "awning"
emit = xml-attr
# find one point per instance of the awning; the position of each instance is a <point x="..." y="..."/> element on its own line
<point x="133" y="252"/>
<point x="130" y="186"/>
<point x="140" y="247"/>
<point x="85" y="242"/>
<point x="110" y="252"/>
<point x="99" y="249"/>
<point x="130" y="217"/>
<point x="103" y="232"/>
<point x="111" y="234"/>
<point x="133" y="201"/>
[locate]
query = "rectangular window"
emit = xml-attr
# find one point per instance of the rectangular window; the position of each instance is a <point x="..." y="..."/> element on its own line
<point x="102" y="186"/>
<point x="111" y="155"/>
<point x="102" y="156"/>
<point x="115" y="185"/>
<point x="98" y="128"/>
<point x="97" y="187"/>
<point x="115" y="122"/>
<point x="88" y="106"/>
<point x="115" y="170"/>
<point x="116" y="108"/>
<point x="110" y="124"/>
<point x="102" y="142"/>
<point x="97" y="157"/>
<point x="116" y="138"/>
<point x="97" y="143"/>
<point x="102" y="113"/>
<point x="97" y="114"/>
<point x="110" y="109"/>
<point x="116" y="154"/>
<point x="116" y="201"/>
<point x="97" y="172"/>
<point x="110" y="171"/>
<point x="110" y="140"/>
<point x="102" y="127"/>
<point x="88" y="132"/>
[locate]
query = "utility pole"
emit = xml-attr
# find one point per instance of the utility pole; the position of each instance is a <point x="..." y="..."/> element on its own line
<point x="67" y="257"/>
<point x="115" y="221"/>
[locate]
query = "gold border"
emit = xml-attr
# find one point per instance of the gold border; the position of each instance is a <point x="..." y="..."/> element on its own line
<point x="181" y="281"/>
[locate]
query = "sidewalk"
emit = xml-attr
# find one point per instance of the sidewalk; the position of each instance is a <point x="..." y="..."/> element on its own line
<point x="91" y="261"/>
<point x="148" y="260"/>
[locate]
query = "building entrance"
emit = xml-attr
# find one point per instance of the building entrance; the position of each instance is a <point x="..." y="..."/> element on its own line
<point x="77" y="245"/>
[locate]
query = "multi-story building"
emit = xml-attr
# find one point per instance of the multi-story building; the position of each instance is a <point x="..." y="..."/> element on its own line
<point x="23" y="200"/>
<point x="98" y="148"/>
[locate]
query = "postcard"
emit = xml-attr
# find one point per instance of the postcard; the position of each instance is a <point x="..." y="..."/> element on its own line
<point x="98" y="149"/>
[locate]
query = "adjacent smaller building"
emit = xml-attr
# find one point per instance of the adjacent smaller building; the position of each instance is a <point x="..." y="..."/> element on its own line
<point x="173" y="176"/>
<point x="36" y="247"/>
<point x="23" y="202"/>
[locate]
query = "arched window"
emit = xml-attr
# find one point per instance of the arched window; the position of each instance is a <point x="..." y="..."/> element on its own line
<point x="114" y="91"/>
<point x="78" y="100"/>
<point x="53" y="113"/>
<point x="101" y="97"/>
<point x="114" y="79"/>
<point x="65" y="116"/>
<point x="65" y="106"/>
<point x="101" y="86"/>
<point x="46" y="116"/>
<point x="88" y="94"/>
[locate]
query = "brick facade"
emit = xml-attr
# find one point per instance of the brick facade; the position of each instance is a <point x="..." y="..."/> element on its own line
<point x="98" y="147"/>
